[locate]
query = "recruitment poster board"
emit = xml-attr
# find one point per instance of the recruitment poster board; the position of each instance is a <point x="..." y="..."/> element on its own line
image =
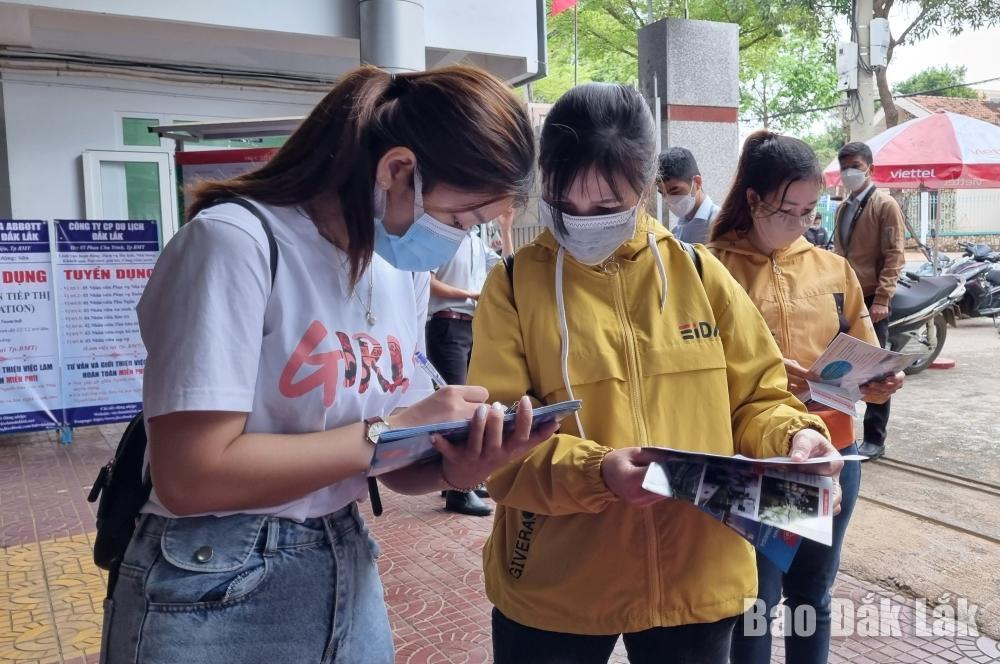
<point x="29" y="346"/>
<point x="195" y="166"/>
<point x="101" y="270"/>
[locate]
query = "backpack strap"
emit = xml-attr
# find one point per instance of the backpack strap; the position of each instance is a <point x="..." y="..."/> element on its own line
<point x="695" y="258"/>
<point x="255" y="211"/>
<point x="508" y="262"/>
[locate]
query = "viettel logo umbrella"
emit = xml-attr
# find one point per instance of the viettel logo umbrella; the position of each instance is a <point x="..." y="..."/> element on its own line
<point x="940" y="151"/>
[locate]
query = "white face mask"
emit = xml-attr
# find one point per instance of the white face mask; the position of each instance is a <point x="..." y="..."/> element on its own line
<point x="680" y="204"/>
<point x="779" y="229"/>
<point x="590" y="240"/>
<point x="853" y="178"/>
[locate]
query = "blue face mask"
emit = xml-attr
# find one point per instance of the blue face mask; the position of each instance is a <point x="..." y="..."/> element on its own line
<point x="426" y="245"/>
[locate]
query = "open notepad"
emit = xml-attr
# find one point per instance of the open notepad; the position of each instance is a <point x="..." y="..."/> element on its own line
<point x="398" y="448"/>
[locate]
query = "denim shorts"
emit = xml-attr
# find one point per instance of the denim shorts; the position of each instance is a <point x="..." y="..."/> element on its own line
<point x="247" y="589"/>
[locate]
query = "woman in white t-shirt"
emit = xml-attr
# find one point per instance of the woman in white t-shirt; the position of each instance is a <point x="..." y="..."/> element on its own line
<point x="261" y="399"/>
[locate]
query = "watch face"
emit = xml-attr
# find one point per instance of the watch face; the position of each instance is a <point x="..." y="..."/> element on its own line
<point x="375" y="430"/>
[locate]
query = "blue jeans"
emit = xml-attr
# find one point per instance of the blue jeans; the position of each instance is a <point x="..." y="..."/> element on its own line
<point x="807" y="583"/>
<point x="248" y="589"/>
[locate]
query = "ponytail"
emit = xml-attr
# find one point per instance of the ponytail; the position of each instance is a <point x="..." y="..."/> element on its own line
<point x="769" y="162"/>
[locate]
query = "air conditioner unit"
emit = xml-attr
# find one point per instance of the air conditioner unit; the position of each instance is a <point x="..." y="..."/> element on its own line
<point x="878" y="42"/>
<point x="847" y="66"/>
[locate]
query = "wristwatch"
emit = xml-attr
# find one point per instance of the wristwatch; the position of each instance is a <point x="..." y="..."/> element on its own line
<point x="375" y="427"/>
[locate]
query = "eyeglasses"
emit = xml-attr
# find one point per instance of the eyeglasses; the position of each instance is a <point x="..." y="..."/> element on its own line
<point x="786" y="217"/>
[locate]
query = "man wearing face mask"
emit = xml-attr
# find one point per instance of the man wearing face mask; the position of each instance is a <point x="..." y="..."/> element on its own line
<point x="869" y="234"/>
<point x="680" y="183"/>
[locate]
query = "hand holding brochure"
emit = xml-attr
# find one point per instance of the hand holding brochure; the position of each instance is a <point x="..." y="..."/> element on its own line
<point x="736" y="489"/>
<point x="398" y="448"/>
<point x="848" y="363"/>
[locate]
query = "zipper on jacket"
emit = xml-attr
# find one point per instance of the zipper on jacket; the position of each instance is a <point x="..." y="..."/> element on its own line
<point x="779" y="297"/>
<point x="635" y="394"/>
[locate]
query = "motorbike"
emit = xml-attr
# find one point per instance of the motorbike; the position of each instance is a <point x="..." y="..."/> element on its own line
<point x="972" y="255"/>
<point x="920" y="313"/>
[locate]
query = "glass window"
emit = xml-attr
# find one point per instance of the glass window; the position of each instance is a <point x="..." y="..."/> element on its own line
<point x="135" y="131"/>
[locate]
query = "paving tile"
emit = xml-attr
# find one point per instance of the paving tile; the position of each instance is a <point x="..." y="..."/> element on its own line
<point x="51" y="592"/>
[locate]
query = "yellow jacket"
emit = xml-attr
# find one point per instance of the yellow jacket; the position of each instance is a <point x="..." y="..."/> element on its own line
<point x="807" y="296"/>
<point x="565" y="554"/>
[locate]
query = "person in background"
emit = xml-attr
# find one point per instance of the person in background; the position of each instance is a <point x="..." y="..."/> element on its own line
<point x="580" y="553"/>
<point x="807" y="297"/>
<point x="816" y="234"/>
<point x="681" y="185"/>
<point x="869" y="234"/>
<point x="455" y="288"/>
<point x="264" y="399"/>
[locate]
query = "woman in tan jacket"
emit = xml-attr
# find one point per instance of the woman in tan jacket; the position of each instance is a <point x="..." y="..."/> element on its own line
<point x="807" y="297"/>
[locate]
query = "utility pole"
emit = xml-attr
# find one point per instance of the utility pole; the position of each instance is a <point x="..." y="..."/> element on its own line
<point x="862" y="122"/>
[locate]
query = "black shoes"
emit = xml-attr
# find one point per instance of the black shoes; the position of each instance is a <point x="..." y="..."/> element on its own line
<point x="466" y="503"/>
<point x="872" y="451"/>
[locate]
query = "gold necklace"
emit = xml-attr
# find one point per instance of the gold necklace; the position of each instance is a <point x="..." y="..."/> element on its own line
<point x="369" y="312"/>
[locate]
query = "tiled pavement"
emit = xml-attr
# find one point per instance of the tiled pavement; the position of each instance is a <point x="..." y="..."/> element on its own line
<point x="50" y="592"/>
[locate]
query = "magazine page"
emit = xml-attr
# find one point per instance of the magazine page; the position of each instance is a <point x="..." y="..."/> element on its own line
<point x="850" y="361"/>
<point x="766" y="491"/>
<point x="688" y="482"/>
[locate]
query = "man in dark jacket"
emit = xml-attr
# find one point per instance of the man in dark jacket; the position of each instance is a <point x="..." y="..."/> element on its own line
<point x="816" y="234"/>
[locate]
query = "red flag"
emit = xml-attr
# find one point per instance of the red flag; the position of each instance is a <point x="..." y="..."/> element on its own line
<point x="559" y="6"/>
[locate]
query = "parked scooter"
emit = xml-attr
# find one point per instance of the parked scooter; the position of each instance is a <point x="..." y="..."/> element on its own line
<point x="982" y="291"/>
<point x="973" y="256"/>
<point x="921" y="311"/>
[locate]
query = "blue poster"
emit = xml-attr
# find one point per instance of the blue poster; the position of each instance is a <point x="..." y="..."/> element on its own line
<point x="29" y="346"/>
<point x="101" y="270"/>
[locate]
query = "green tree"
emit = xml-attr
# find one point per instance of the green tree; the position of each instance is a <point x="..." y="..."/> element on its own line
<point x="781" y="79"/>
<point x="939" y="82"/>
<point x="929" y="17"/>
<point x="827" y="142"/>
<point x="607" y="32"/>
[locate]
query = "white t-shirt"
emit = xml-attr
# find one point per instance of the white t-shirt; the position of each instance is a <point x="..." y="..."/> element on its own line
<point x="299" y="358"/>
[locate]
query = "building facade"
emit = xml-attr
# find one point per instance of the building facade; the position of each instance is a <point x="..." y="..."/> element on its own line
<point x="81" y="81"/>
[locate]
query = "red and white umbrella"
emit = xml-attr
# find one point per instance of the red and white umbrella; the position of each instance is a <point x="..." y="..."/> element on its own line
<point x="940" y="151"/>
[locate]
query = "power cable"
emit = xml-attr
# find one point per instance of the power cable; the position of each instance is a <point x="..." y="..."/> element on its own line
<point x="854" y="103"/>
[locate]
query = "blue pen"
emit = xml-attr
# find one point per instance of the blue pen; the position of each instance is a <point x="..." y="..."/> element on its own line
<point x="429" y="369"/>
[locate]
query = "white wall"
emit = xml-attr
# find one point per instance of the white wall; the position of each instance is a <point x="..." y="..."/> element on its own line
<point x="977" y="210"/>
<point x="50" y="122"/>
<point x="317" y="37"/>
<point x="306" y="17"/>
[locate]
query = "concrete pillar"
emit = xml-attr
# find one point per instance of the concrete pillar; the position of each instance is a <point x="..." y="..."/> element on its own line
<point x="696" y="68"/>
<point x="392" y="34"/>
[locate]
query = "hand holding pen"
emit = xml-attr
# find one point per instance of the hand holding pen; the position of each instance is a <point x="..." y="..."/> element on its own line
<point x="438" y="381"/>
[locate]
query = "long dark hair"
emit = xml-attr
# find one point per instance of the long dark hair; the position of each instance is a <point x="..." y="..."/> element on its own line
<point x="605" y="126"/>
<point x="466" y="128"/>
<point x="769" y="162"/>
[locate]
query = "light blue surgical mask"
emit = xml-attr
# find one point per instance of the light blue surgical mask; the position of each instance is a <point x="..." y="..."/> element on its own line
<point x="426" y="245"/>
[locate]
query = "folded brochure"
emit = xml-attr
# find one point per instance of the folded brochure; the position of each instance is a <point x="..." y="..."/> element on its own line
<point x="738" y="491"/>
<point x="845" y="365"/>
<point x="398" y="448"/>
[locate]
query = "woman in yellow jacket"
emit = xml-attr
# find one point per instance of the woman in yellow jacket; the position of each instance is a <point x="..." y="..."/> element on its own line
<point x="807" y="296"/>
<point x="606" y="306"/>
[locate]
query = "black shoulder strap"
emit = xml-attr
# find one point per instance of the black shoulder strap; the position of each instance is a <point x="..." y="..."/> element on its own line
<point x="693" y="253"/>
<point x="508" y="262"/>
<point x="255" y="211"/>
